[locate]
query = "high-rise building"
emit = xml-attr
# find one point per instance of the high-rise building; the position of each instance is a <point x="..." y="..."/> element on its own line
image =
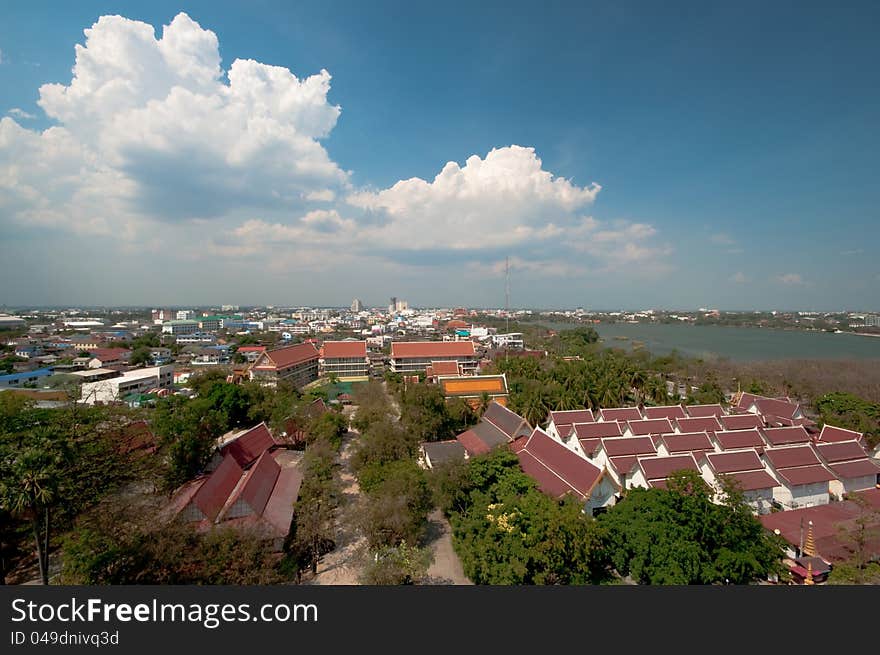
<point x="393" y="306"/>
<point x="357" y="305"/>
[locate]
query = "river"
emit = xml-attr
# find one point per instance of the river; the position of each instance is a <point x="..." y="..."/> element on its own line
<point x="735" y="343"/>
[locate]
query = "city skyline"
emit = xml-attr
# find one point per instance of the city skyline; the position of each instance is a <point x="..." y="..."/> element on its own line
<point x="621" y="156"/>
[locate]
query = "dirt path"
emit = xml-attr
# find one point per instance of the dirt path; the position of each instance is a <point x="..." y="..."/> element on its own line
<point x="446" y="568"/>
<point x="343" y="565"/>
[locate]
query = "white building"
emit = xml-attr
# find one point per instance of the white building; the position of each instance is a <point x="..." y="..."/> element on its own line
<point x="510" y="340"/>
<point x="804" y="481"/>
<point x="137" y="381"/>
<point x="180" y="327"/>
<point x="185" y="315"/>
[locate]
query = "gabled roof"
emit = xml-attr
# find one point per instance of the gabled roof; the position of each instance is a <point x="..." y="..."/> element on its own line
<point x="257" y="485"/>
<point x="624" y="463"/>
<point x="687" y="442"/>
<point x="557" y="470"/>
<point x="439" y="452"/>
<point x="665" y="411"/>
<point x="791" y="456"/>
<point x="805" y="475"/>
<point x="569" y="416"/>
<point x="482" y="438"/>
<point x="615" y="447"/>
<point x="776" y="407"/>
<point x="620" y="414"/>
<point x="754" y="480"/>
<point x="660" y="468"/>
<point x="110" y="354"/>
<point x="697" y="411"/>
<point x="347" y="349"/>
<point x="831" y="433"/>
<point x="735" y="461"/>
<point x="698" y="424"/>
<point x="857" y="469"/>
<point x="740" y="421"/>
<point x="247" y="446"/>
<point x="448" y="367"/>
<point x="735" y="439"/>
<point x="428" y="349"/>
<point x="597" y="430"/>
<point x="841" y="451"/>
<point x="214" y="491"/>
<point x="651" y="426"/>
<point x="787" y="435"/>
<point x="282" y="358"/>
<point x="509" y="422"/>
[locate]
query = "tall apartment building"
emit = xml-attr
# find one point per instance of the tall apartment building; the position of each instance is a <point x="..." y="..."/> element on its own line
<point x="357" y="305"/>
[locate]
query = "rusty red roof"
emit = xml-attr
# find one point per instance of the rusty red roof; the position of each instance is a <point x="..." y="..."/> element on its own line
<point x="858" y="469"/>
<point x="250" y="444"/>
<point x="257" y="484"/>
<point x="213" y="493"/>
<point x="569" y="416"/>
<point x="555" y="468"/>
<point x="651" y="426"/>
<point x="698" y="424"/>
<point x="665" y="411"/>
<point x="110" y="354"/>
<point x="735" y="461"/>
<point x="698" y="411"/>
<point x="565" y="430"/>
<point x="660" y="468"/>
<point x="831" y="433"/>
<point x="345" y="349"/>
<point x="787" y="435"/>
<point x="790" y="456"/>
<point x="283" y="358"/>
<point x="429" y="349"/>
<point x="623" y="464"/>
<point x="740" y="421"/>
<point x="506" y="420"/>
<point x="597" y="430"/>
<point x="735" y="439"/>
<point x="754" y="480"/>
<point x="805" y="475"/>
<point x="687" y="442"/>
<point x="615" y="447"/>
<point x="620" y="414"/>
<point x="445" y="368"/>
<point x="841" y="451"/>
<point x="776" y="407"/>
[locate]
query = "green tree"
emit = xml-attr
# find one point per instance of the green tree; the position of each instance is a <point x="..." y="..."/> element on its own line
<point x="403" y="564"/>
<point x="140" y="356"/>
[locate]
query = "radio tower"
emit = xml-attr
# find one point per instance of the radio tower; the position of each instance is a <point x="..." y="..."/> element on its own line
<point x="507" y="293"/>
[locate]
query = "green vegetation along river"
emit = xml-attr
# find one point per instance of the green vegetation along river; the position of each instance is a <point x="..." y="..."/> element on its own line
<point x="734" y="343"/>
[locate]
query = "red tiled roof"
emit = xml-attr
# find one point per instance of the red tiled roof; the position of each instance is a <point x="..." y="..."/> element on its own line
<point x="687" y="442"/>
<point x="249" y="445"/>
<point x="832" y="433"/>
<point x="615" y="447"/>
<point x="754" y="480"/>
<point x="292" y="355"/>
<point x="841" y="451"/>
<point x="623" y="464"/>
<point x="589" y="445"/>
<point x="791" y="456"/>
<point x="110" y="354"/>
<point x="428" y="349"/>
<point x="660" y="468"/>
<point x="338" y="349"/>
<point x="555" y="468"/>
<point x="445" y="368"/>
<point x="730" y="440"/>
<point x="212" y="495"/>
<point x="506" y="420"/>
<point x="279" y="508"/>
<point x="735" y="461"/>
<point x="620" y="414"/>
<point x="698" y="411"/>
<point x="472" y="443"/>
<point x="857" y="469"/>
<point x="746" y="399"/>
<point x="788" y="435"/>
<point x="699" y="424"/>
<point x="570" y="416"/>
<point x="741" y="421"/>
<point x="651" y="426"/>
<point x="565" y="430"/>
<point x="251" y="349"/>
<point x="666" y="411"/>
<point x="776" y="407"/>
<point x="597" y="430"/>
<point x="257" y="484"/>
<point x="805" y="475"/>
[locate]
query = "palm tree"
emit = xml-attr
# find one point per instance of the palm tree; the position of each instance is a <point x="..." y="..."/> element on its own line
<point x="28" y="489"/>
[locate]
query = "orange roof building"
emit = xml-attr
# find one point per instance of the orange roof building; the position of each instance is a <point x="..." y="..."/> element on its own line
<point x="471" y="388"/>
<point x="415" y="356"/>
<point x="348" y="360"/>
<point x="297" y="364"/>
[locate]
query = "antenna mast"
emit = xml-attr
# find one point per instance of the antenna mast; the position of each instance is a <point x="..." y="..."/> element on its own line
<point x="507" y="293"/>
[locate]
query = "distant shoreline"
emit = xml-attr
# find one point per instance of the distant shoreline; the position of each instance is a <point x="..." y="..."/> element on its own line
<point x="860" y="334"/>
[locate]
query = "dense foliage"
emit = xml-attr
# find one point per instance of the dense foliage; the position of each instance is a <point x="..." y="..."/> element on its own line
<point x="846" y="410"/>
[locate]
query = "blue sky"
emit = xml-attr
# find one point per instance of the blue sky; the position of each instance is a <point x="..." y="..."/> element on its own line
<point x="683" y="154"/>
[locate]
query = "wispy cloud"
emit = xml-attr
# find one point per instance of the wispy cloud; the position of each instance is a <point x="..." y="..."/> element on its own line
<point x="791" y="279"/>
<point x="739" y="278"/>
<point x="20" y="113"/>
<point x="850" y="253"/>
<point x="722" y="239"/>
<point x="1" y="56"/>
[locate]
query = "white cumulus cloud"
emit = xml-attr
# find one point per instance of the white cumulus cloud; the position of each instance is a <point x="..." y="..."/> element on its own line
<point x="20" y="114"/>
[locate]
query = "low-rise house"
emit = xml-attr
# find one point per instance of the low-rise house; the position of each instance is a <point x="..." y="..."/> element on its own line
<point x="654" y="471"/>
<point x="138" y="381"/>
<point x="739" y="439"/>
<point x="297" y="364"/>
<point x="670" y="412"/>
<point x="699" y="411"/>
<point x="831" y="434"/>
<point x="740" y="421"/>
<point x="622" y="414"/>
<point x="585" y="437"/>
<point x="685" y="442"/>
<point x="559" y="425"/>
<point x="620" y="454"/>
<point x="348" y="360"/>
<point x="804" y="481"/>
<point x="482" y="439"/>
<point x="251" y="353"/>
<point x="648" y="427"/>
<point x="509" y="422"/>
<point x="746" y="470"/>
<point x="435" y="453"/>
<point x="559" y="472"/>
<point x="698" y="424"/>
<point x="474" y="388"/>
<point x="24" y="379"/>
<point x="786" y="436"/>
<point x="849" y="462"/>
<point x="245" y="446"/>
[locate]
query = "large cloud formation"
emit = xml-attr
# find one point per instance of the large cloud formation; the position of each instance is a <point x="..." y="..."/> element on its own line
<point x="152" y="137"/>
